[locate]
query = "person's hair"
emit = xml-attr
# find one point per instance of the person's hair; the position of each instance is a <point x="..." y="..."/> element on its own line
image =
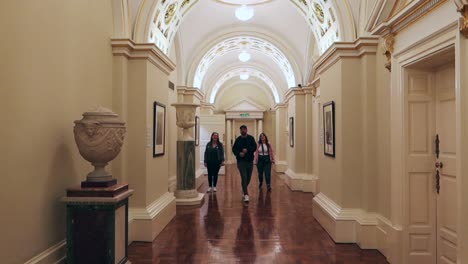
<point x="266" y="139"/>
<point x="243" y="126"/>
<point x="211" y="138"/>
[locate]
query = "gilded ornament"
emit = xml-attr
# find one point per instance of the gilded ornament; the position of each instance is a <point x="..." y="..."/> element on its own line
<point x="463" y="23"/>
<point x="184" y="3"/>
<point x="389" y="41"/>
<point x="319" y="12"/>
<point x="170" y="12"/>
<point x="303" y="2"/>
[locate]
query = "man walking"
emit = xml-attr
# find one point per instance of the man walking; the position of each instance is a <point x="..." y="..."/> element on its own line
<point x="244" y="149"/>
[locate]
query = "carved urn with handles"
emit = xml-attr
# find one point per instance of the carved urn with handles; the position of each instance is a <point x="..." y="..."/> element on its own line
<point x="99" y="136"/>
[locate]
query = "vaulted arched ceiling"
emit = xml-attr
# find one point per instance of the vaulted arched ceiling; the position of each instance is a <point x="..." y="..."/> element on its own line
<point x="284" y="37"/>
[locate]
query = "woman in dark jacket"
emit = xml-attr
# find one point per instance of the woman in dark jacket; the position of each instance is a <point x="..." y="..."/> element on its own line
<point x="214" y="159"/>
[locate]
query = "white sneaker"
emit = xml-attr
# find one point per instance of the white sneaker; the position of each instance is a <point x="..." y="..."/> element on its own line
<point x="214" y="189"/>
<point x="246" y="198"/>
<point x="209" y="189"/>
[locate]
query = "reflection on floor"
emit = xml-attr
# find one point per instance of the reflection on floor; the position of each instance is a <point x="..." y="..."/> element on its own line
<point x="276" y="227"/>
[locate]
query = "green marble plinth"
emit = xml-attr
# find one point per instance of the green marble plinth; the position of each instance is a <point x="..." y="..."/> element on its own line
<point x="186" y="165"/>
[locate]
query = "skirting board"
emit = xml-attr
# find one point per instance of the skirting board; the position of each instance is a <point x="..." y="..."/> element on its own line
<point x="367" y="230"/>
<point x="172" y="183"/>
<point x="53" y="255"/>
<point x="280" y="166"/>
<point x="301" y="181"/>
<point x="146" y="223"/>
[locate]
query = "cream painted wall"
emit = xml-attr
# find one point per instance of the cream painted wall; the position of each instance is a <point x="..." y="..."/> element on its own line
<point x="56" y="64"/>
<point x="353" y="179"/>
<point x="269" y="123"/>
<point x="240" y="92"/>
<point x="172" y="127"/>
<point x="383" y="134"/>
<point x="330" y="169"/>
<point x="157" y="167"/>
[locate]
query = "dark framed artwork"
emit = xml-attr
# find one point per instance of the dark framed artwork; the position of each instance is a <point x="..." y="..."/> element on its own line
<point x="159" y="129"/>
<point x="197" y="130"/>
<point x="291" y="131"/>
<point x="329" y="128"/>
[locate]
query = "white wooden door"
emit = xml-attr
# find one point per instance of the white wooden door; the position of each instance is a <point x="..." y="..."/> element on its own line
<point x="447" y="196"/>
<point x="432" y="212"/>
<point x="421" y="214"/>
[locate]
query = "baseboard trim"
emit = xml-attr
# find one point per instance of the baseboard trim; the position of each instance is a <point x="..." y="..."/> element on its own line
<point x="301" y="181"/>
<point x="56" y="254"/>
<point x="350" y="225"/>
<point x="146" y="223"/>
<point x="281" y="166"/>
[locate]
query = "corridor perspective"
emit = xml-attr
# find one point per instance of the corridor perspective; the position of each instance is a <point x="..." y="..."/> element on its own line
<point x="109" y="106"/>
<point x="273" y="228"/>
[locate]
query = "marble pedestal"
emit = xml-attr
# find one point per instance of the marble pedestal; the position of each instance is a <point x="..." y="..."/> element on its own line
<point x="186" y="193"/>
<point x="97" y="224"/>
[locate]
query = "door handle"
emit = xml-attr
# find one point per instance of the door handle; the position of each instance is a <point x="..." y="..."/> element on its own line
<point x="437" y="181"/>
<point x="439" y="165"/>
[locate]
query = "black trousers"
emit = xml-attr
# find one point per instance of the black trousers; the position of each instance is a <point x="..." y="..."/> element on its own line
<point x="245" y="171"/>
<point x="213" y="170"/>
<point x="264" y="167"/>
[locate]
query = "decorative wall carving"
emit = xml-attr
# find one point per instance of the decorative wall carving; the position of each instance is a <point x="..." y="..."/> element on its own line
<point x="462" y="7"/>
<point x="389" y="41"/>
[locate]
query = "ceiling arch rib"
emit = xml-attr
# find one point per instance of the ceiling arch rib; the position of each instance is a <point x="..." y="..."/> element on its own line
<point x="323" y="20"/>
<point x="236" y="73"/>
<point x="244" y="43"/>
<point x="160" y="24"/>
<point x="223" y="93"/>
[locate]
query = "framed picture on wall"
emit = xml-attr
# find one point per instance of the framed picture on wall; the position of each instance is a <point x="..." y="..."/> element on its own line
<point x="329" y="128"/>
<point x="291" y="131"/>
<point x="197" y="130"/>
<point x="159" y="128"/>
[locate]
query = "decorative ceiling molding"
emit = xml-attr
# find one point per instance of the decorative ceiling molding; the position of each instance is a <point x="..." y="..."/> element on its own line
<point x="323" y="20"/>
<point x="252" y="82"/>
<point x="247" y="43"/>
<point x="253" y="73"/>
<point x="246" y="104"/>
<point x="147" y="51"/>
<point x="406" y="16"/>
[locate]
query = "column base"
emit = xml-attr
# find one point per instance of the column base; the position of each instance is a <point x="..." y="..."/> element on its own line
<point x="191" y="201"/>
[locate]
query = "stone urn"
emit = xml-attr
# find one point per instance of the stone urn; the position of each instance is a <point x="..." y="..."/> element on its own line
<point x="185" y="115"/>
<point x="99" y="136"/>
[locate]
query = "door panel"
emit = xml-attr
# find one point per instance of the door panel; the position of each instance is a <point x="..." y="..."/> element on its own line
<point x="420" y="168"/>
<point x="447" y="198"/>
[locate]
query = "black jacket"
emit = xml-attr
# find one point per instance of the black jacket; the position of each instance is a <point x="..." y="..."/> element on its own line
<point x="220" y="152"/>
<point x="247" y="142"/>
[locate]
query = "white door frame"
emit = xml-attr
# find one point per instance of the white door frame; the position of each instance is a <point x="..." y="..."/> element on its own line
<point x="443" y="39"/>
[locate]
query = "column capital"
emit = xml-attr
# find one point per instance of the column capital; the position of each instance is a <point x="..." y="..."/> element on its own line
<point x="191" y="91"/>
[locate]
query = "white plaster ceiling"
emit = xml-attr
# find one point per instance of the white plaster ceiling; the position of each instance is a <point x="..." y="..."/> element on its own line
<point x="278" y="22"/>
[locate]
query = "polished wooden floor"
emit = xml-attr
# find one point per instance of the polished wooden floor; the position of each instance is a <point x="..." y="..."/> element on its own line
<point x="276" y="227"/>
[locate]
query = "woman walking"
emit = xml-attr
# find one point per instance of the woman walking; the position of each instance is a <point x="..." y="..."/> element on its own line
<point x="214" y="159"/>
<point x="264" y="157"/>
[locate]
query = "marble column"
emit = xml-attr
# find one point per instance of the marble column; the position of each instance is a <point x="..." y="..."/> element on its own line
<point x="186" y="193"/>
<point x="228" y="142"/>
<point x="260" y="127"/>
